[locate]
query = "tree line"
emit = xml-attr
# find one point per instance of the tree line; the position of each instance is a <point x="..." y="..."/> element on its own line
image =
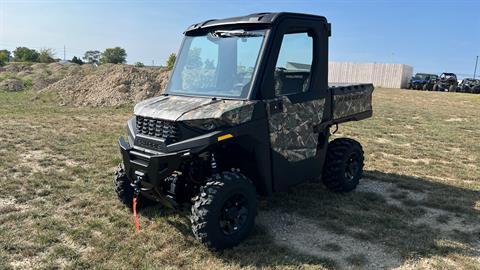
<point x="116" y="55"/>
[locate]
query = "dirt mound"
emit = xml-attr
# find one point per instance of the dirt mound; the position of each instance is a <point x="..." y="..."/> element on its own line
<point x="86" y="85"/>
<point x="110" y="85"/>
<point x="11" y="85"/>
<point x="37" y="76"/>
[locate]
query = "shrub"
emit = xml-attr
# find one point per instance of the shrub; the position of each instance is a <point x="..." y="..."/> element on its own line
<point x="171" y="61"/>
<point x="115" y="55"/>
<point x="24" y="54"/>
<point x="76" y="60"/>
<point x="46" y="56"/>
<point x="92" y="57"/>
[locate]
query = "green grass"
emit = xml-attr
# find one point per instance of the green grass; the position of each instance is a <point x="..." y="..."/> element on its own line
<point x="58" y="208"/>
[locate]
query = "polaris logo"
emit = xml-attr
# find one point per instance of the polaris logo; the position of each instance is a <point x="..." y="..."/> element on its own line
<point x="294" y="76"/>
<point x="146" y="143"/>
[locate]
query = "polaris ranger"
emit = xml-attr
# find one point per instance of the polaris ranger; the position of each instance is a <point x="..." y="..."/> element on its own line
<point x="247" y="112"/>
<point x="446" y="82"/>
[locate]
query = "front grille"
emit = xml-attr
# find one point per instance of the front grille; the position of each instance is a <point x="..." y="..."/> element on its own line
<point x="167" y="130"/>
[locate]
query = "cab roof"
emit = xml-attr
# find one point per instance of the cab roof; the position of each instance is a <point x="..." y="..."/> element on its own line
<point x="257" y="19"/>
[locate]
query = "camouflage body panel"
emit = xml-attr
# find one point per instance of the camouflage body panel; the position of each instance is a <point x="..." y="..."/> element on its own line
<point x="180" y="108"/>
<point x="353" y="102"/>
<point x="232" y="112"/>
<point x="291" y="131"/>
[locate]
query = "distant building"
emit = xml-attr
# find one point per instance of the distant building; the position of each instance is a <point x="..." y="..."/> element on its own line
<point x="379" y="74"/>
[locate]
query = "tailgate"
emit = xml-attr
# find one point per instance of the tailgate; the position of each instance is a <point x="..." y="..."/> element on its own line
<point x="351" y="101"/>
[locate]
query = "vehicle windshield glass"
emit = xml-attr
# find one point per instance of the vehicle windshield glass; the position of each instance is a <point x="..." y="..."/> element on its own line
<point x="421" y="76"/>
<point x="218" y="64"/>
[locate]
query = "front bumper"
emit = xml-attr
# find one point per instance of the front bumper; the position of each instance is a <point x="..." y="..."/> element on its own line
<point x="151" y="167"/>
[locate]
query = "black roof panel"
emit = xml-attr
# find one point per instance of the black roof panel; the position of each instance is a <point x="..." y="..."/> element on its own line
<point x="260" y="19"/>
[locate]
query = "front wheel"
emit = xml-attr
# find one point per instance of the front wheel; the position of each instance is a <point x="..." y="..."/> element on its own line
<point x="223" y="213"/>
<point x="343" y="165"/>
<point x="452" y="88"/>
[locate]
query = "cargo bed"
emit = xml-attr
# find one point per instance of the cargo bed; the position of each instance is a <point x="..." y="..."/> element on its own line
<point x="351" y="102"/>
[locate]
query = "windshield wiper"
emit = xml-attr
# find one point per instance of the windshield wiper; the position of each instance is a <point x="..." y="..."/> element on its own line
<point x="235" y="33"/>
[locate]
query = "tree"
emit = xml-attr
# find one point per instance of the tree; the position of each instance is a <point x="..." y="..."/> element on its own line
<point x="46" y="56"/>
<point x="171" y="61"/>
<point x="24" y="54"/>
<point x="115" y="55"/>
<point x="5" y="57"/>
<point x="139" y="64"/>
<point x="92" y="57"/>
<point x="194" y="59"/>
<point x="209" y="64"/>
<point x="76" y="60"/>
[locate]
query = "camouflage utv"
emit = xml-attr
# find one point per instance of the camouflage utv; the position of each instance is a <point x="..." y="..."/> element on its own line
<point x="247" y="112"/>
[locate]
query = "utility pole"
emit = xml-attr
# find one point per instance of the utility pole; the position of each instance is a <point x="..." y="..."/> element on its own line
<point x="64" y="52"/>
<point x="153" y="63"/>
<point x="475" y="72"/>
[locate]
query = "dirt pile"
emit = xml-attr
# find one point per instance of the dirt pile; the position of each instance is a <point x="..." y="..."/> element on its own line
<point x="86" y="85"/>
<point x="11" y="85"/>
<point x="110" y="85"/>
<point x="26" y="76"/>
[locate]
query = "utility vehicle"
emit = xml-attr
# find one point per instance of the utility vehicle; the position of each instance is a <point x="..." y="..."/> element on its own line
<point x="469" y="85"/>
<point x="446" y="82"/>
<point x="418" y="81"/>
<point x="247" y="112"/>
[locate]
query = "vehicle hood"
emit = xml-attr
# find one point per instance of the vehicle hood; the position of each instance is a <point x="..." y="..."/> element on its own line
<point x="183" y="108"/>
<point x="418" y="80"/>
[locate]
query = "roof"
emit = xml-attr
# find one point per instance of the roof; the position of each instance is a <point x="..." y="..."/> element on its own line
<point x="256" y="19"/>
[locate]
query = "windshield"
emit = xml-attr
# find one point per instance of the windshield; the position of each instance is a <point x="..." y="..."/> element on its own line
<point x="218" y="64"/>
<point x="420" y="76"/>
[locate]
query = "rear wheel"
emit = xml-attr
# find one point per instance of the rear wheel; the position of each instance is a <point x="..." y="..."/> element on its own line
<point x="452" y="88"/>
<point x="435" y="87"/>
<point x="223" y="213"/>
<point x="343" y="165"/>
<point x="425" y="87"/>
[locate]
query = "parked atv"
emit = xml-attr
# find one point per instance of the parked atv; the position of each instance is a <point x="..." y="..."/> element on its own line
<point x="418" y="81"/>
<point x="468" y="85"/>
<point x="246" y="113"/>
<point x="446" y="82"/>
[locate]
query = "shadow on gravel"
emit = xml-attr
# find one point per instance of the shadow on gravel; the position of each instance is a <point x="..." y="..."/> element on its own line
<point x="404" y="217"/>
<point x="388" y="221"/>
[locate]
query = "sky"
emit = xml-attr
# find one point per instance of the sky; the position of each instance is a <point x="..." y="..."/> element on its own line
<point x="432" y="36"/>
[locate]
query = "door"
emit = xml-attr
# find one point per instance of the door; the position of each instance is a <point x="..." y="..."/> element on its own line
<point x="296" y="108"/>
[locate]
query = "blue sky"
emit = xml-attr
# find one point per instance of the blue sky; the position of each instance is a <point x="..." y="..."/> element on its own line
<point x="432" y="36"/>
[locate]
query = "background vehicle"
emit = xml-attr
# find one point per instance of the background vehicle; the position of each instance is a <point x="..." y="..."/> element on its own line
<point x="446" y="82"/>
<point x="418" y="81"/>
<point x="468" y="85"/>
<point x="247" y="112"/>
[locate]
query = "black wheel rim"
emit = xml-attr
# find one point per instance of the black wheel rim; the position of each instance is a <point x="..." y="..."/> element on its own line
<point x="352" y="167"/>
<point x="234" y="214"/>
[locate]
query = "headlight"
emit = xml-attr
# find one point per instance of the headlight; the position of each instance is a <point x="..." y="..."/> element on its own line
<point x="204" y="124"/>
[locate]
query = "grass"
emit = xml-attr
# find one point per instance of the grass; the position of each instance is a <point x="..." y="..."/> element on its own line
<point x="420" y="199"/>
